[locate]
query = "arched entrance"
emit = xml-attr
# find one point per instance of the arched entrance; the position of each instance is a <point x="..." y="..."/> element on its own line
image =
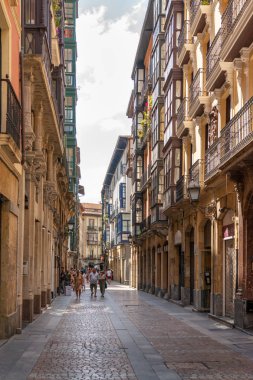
<point x="206" y="266"/>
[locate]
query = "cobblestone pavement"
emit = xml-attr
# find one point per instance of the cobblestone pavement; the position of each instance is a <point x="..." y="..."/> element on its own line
<point x="212" y="354"/>
<point x="84" y="346"/>
<point x="126" y="335"/>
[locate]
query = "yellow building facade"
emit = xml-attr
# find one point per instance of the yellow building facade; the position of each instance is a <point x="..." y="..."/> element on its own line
<point x="191" y="166"/>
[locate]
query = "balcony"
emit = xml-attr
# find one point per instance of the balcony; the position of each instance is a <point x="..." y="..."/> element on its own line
<point x="237" y="136"/>
<point x="37" y="59"/>
<point x="236" y="27"/>
<point x="92" y="228"/>
<point x="198" y="11"/>
<point x="185" y="44"/>
<point x="146" y="177"/>
<point x="181" y="188"/>
<point x="196" y="173"/>
<point x="169" y="198"/>
<point x="146" y="89"/>
<point x="198" y="95"/>
<point x="212" y="160"/>
<point x="10" y="137"/>
<point x="92" y="242"/>
<point x="215" y="71"/>
<point x="145" y="224"/>
<point x="158" y="219"/>
<point x="183" y="120"/>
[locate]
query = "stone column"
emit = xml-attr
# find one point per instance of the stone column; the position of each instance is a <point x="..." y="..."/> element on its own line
<point x="164" y="272"/>
<point x="238" y="67"/>
<point x="245" y="57"/>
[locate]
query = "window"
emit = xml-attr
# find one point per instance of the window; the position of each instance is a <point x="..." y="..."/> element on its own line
<point x="138" y="216"/>
<point x="68" y="58"/>
<point x="91" y="222"/>
<point x="69" y="13"/>
<point x="155" y="124"/>
<point x="68" y="33"/>
<point x="155" y="65"/>
<point x="71" y="161"/>
<point x="122" y="195"/>
<point x="69" y="113"/>
<point x="30" y="12"/>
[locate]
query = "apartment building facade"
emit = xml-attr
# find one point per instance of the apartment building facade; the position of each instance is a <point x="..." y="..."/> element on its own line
<point x="116" y="214"/>
<point x="190" y="165"/>
<point x="90" y="234"/>
<point x="146" y="108"/>
<point x="11" y="170"/>
<point x="72" y="150"/>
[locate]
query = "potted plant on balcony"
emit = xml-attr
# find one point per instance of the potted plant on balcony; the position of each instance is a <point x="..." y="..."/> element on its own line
<point x="146" y="122"/>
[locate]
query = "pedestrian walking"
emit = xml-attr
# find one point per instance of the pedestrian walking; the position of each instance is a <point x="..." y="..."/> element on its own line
<point x="109" y="275"/>
<point x="102" y="282"/>
<point x="93" y="282"/>
<point x="78" y="284"/>
<point x="84" y="279"/>
<point x="62" y="281"/>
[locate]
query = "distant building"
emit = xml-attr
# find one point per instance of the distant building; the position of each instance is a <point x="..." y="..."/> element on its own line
<point x="116" y="213"/>
<point x="90" y="234"/>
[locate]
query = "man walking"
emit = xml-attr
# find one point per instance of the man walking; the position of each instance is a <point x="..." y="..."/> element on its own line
<point x="93" y="282"/>
<point x="102" y="281"/>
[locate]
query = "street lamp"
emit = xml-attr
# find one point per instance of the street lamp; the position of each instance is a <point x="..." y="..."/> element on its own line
<point x="193" y="191"/>
<point x="130" y="239"/>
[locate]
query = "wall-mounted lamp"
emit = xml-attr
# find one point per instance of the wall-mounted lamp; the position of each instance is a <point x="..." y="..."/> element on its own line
<point x="193" y="191"/>
<point x="130" y="239"/>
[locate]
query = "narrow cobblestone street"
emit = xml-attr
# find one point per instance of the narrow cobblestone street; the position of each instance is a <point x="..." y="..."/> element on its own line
<point x="126" y="335"/>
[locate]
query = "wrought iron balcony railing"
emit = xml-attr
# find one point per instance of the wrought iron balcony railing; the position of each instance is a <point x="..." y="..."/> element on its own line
<point x="238" y="132"/>
<point x="181" y="188"/>
<point x="184" y="37"/>
<point x="197" y="87"/>
<point x="212" y="159"/>
<point x="196" y="172"/>
<point x="231" y="15"/>
<point x="145" y="224"/>
<point x="36" y="42"/>
<point x="213" y="55"/>
<point x="10" y="112"/>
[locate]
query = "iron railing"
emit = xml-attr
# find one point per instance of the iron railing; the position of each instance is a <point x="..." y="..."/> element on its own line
<point x="231" y="16"/>
<point x="197" y="86"/>
<point x="238" y="132"/>
<point x="194" y="7"/>
<point x="183" y="37"/>
<point x="181" y="188"/>
<point x="10" y="112"/>
<point x="213" y="56"/>
<point x="212" y="159"/>
<point x="196" y="172"/>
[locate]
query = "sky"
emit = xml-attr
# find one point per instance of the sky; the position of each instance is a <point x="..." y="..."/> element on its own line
<point x="107" y="37"/>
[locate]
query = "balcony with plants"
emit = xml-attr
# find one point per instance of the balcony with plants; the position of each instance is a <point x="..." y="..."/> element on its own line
<point x="198" y="11"/>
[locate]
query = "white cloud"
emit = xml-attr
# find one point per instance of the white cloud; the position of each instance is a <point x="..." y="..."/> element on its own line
<point x="106" y="51"/>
